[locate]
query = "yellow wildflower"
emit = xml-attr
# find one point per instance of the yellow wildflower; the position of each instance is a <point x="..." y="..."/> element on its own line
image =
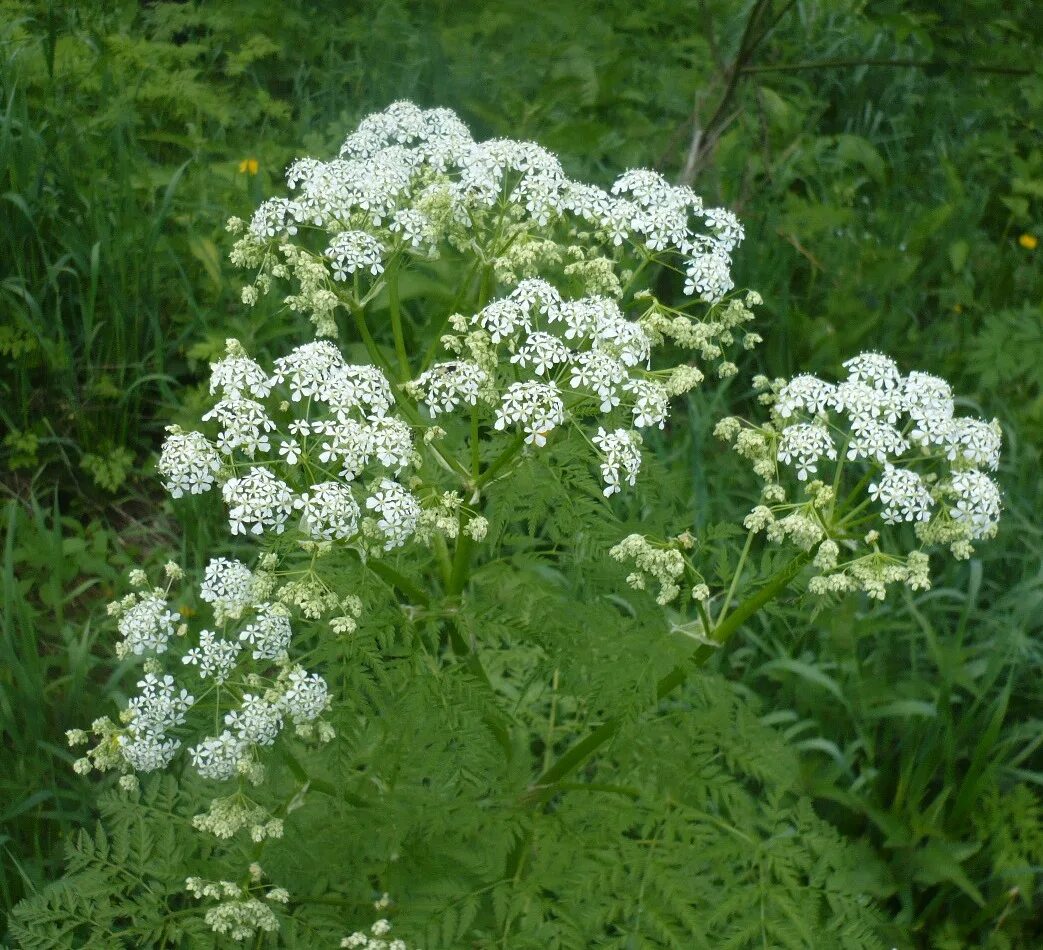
<point x="1028" y="241"/>
<point x="249" y="166"/>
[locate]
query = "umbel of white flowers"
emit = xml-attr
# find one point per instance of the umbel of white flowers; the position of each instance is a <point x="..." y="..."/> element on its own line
<point x="869" y="454"/>
<point x="245" y="651"/>
<point x="411" y="183"/>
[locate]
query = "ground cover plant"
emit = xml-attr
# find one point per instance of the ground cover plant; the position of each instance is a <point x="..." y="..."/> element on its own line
<point x="853" y="772"/>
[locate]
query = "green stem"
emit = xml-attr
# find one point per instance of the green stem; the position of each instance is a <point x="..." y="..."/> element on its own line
<point x="485" y="286"/>
<point x="392" y="577"/>
<point x="547" y="784"/>
<point x="321" y="785"/>
<point x="856" y="491"/>
<point x="461" y="561"/>
<point x="476" y="459"/>
<point x="501" y="460"/>
<point x="436" y="340"/>
<point x="735" y="578"/>
<point x="367" y="338"/>
<point x="396" y="327"/>
<point x="405" y="406"/>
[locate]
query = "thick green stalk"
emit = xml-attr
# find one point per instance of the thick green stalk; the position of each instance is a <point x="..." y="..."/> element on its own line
<point x="392" y="577"/>
<point x="735" y="578"/>
<point x="395" y="307"/>
<point x="367" y="338"/>
<point x="501" y="460"/>
<point x="547" y="784"/>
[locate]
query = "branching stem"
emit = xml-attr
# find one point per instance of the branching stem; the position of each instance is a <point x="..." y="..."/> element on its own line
<point x="549" y="782"/>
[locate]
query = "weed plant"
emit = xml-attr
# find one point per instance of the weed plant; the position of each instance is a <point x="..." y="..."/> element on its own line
<point x="892" y="207"/>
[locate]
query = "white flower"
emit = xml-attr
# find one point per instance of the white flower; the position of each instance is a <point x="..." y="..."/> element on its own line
<point x="929" y="402"/>
<point x="306" y="697"/>
<point x="269" y="633"/>
<point x="329" y="512"/>
<point x="875" y="440"/>
<point x="543" y="350"/>
<point x="217" y="757"/>
<point x="257" y="721"/>
<point x="536" y="406"/>
<point x="445" y="385"/>
<point x="147" y="752"/>
<point x="874" y="369"/>
<point x="534" y="294"/>
<point x="805" y="393"/>
<point x="390" y="442"/>
<point x="227" y="584"/>
<point x="502" y="319"/>
<point x="708" y="274"/>
<point x="351" y="251"/>
<point x="974" y="441"/>
<point x="159" y="706"/>
<point x="803" y="445"/>
<point x="214" y="656"/>
<point x="581" y="317"/>
<point x="307" y="368"/>
<point x="651" y="402"/>
<point x="291" y="451"/>
<point x="398" y="513"/>
<point x="187" y="463"/>
<point x="276" y="217"/>
<point x="601" y="373"/>
<point x="257" y="501"/>
<point x="414" y="225"/>
<point x="245" y="424"/>
<point x="977" y="503"/>
<point x="237" y="373"/>
<point x="148" y="625"/>
<point x="622" y="457"/>
<point x="864" y="403"/>
<point x="903" y="495"/>
<point x="624" y="339"/>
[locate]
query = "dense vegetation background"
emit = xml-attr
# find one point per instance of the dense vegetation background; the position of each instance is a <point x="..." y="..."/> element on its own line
<point x="887" y="161"/>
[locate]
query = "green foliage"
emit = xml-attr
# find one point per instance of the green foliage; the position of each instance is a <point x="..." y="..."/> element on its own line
<point x="714" y="850"/>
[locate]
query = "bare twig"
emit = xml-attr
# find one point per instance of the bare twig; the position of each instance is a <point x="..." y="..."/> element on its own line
<point x="763" y="18"/>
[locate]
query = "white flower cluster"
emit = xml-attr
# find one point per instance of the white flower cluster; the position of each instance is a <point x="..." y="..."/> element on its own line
<point x="563" y="359"/>
<point x="375" y="939"/>
<point x="535" y="406"/>
<point x="237" y="913"/>
<point x="188" y="463"/>
<point x="159" y="707"/>
<point x="622" y="457"/>
<point x="447" y="385"/>
<point x="892" y="441"/>
<point x="148" y="625"/>
<point x="411" y="184"/>
<point x="413" y="176"/>
<point x="258" y="697"/>
<point x="330" y="420"/>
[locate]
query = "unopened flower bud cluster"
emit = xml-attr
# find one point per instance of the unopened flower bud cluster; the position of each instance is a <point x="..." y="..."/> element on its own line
<point x="663" y="564"/>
